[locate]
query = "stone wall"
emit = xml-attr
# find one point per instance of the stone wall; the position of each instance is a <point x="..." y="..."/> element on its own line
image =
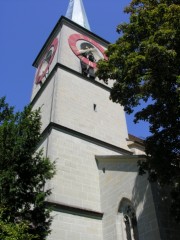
<point x="119" y="180"/>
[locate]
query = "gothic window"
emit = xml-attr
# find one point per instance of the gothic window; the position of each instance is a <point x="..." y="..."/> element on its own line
<point x="129" y="222"/>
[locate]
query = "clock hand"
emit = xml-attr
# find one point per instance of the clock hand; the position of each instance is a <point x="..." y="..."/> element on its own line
<point x="87" y="50"/>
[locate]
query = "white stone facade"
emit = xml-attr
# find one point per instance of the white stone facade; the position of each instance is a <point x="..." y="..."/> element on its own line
<point x="95" y="165"/>
<point x="119" y="180"/>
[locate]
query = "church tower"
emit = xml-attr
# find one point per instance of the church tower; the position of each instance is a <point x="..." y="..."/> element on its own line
<point x="86" y="135"/>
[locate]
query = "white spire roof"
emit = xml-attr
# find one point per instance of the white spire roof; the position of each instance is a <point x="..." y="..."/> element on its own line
<point x="76" y="13"/>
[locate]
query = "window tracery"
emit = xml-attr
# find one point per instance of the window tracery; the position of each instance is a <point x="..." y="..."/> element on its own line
<point x="129" y="221"/>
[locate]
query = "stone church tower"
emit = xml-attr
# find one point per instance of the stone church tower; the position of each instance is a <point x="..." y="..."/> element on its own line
<point x="96" y="192"/>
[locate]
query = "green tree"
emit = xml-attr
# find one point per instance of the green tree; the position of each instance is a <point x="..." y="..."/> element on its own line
<point x="14" y="231"/>
<point x="145" y="64"/>
<point x="23" y="172"/>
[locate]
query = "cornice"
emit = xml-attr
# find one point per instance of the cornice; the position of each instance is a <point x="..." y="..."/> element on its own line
<point x="72" y="132"/>
<point x="62" y="207"/>
<point x="61" y="66"/>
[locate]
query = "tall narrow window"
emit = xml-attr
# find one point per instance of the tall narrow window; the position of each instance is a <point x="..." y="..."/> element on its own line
<point x="128" y="227"/>
<point x="130" y="230"/>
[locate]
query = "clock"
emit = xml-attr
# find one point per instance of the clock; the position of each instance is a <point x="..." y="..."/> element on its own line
<point x="46" y="61"/>
<point x="86" y="49"/>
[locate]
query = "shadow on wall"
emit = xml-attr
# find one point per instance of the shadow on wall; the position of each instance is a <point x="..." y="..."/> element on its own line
<point x="124" y="193"/>
<point x="142" y="200"/>
<point x="119" y="181"/>
<point x="153" y="211"/>
<point x="169" y="229"/>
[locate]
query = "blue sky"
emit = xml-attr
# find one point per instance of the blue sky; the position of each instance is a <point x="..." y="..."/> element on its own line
<point x="25" y="26"/>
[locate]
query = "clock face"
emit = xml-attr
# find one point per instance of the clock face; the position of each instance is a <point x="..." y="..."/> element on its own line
<point x="46" y="61"/>
<point x="86" y="49"/>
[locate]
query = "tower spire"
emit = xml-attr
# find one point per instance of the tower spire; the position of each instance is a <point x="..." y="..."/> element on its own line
<point x="76" y="13"/>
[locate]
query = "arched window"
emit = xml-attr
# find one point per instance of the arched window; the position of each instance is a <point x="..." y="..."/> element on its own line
<point x="129" y="222"/>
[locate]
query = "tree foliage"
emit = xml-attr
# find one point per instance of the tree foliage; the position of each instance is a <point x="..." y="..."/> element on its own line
<point x="14" y="231"/>
<point x="145" y="63"/>
<point x="23" y="172"/>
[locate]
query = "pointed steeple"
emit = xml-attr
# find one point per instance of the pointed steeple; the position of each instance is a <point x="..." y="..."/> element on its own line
<point x="76" y="13"/>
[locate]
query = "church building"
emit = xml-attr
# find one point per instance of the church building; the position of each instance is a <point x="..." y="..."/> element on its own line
<point x="97" y="193"/>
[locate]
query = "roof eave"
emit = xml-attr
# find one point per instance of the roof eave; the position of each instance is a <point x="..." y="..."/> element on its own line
<point x="55" y="29"/>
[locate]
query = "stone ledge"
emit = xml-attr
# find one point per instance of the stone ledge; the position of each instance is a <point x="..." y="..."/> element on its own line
<point x="83" y="136"/>
<point x="61" y="207"/>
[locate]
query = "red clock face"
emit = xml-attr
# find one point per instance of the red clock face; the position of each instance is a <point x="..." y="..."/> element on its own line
<point x="46" y="61"/>
<point x="86" y="49"/>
